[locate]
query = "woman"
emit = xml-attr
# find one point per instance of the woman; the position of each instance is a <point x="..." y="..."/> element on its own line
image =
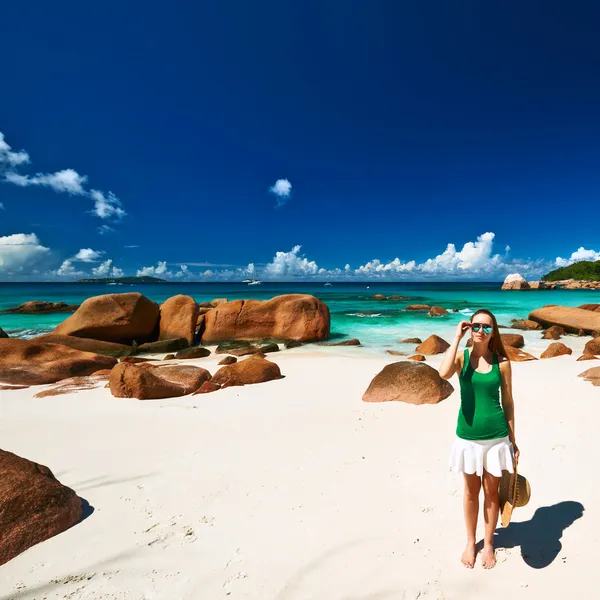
<point x="485" y="444"/>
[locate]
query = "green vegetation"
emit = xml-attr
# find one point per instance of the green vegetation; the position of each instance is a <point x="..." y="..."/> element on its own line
<point x="144" y="279"/>
<point x="585" y="270"/>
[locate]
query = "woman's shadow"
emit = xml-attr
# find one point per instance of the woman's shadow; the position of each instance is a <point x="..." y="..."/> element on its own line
<point x="539" y="537"/>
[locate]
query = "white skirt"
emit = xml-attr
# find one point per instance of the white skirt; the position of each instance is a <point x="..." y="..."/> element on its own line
<point x="473" y="456"/>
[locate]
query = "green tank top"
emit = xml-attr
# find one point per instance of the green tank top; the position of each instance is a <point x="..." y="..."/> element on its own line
<point x="480" y="416"/>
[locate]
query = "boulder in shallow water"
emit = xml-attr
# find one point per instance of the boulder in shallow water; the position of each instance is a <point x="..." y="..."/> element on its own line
<point x="34" y="505"/>
<point x="418" y="307"/>
<point x="379" y="297"/>
<point x="525" y="324"/>
<point x="514" y="281"/>
<point x="437" y="311"/>
<point x="408" y="381"/>
<point x="36" y="307"/>
<point x="29" y="362"/>
<point x="122" y="318"/>
<point x="434" y="344"/>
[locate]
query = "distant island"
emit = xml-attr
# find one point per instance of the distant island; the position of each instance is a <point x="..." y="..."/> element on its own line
<point x="117" y="280"/>
<point x="584" y="270"/>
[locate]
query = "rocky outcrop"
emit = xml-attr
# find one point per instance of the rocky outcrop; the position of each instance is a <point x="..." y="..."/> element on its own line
<point x="87" y="345"/>
<point x="553" y="333"/>
<point x="193" y="353"/>
<point x="514" y="281"/>
<point x="592" y="307"/>
<point x="408" y="381"/>
<point x="34" y="505"/>
<point x="418" y="307"/>
<point x="251" y="370"/>
<point x="397" y="298"/>
<point x="434" y="344"/>
<point x="592" y="347"/>
<point x="134" y="359"/>
<point x="414" y="340"/>
<point x="36" y="307"/>
<point x="517" y="355"/>
<point x="243" y="348"/>
<point x="351" y="342"/>
<point x="525" y="325"/>
<point x="178" y="318"/>
<point x="592" y="375"/>
<point x="515" y="340"/>
<point x="418" y="357"/>
<point x="437" y="311"/>
<point x="570" y="319"/>
<point x="556" y="349"/>
<point x="151" y="382"/>
<point x="122" y="318"/>
<point x="379" y="297"/>
<point x="298" y="317"/>
<point x="163" y="346"/>
<point x="29" y="362"/>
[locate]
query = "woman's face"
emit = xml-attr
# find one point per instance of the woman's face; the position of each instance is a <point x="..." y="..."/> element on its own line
<point x="482" y="327"/>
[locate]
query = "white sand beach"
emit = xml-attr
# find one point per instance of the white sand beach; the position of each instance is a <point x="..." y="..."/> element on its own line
<point x="296" y="489"/>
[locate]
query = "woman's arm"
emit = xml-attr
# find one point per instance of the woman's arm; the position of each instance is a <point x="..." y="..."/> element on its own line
<point x="508" y="404"/>
<point x="450" y="364"/>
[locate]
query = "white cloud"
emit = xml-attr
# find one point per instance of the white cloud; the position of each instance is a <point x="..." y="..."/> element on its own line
<point x="69" y="181"/>
<point x="376" y="267"/>
<point x="579" y="254"/>
<point x="282" y="188"/>
<point x="10" y="158"/>
<point x="88" y="255"/>
<point x="20" y="253"/>
<point x="290" y="264"/>
<point x="159" y="270"/>
<point x="106" y="269"/>
<point x="67" y="269"/>
<point x="104" y="229"/>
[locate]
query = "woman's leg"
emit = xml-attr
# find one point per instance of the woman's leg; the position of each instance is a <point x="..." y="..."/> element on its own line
<point x="491" y="506"/>
<point x="471" y="508"/>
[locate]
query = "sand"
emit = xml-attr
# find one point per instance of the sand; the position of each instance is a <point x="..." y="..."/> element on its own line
<point x="296" y="489"/>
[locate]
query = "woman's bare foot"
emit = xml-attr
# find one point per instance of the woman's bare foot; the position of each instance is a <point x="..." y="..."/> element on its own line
<point x="488" y="557"/>
<point x="468" y="557"/>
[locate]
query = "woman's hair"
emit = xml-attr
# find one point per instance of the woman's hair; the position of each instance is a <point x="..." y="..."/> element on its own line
<point x="495" y="344"/>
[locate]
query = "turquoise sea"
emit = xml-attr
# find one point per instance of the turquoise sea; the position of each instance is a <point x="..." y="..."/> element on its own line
<point x="376" y="323"/>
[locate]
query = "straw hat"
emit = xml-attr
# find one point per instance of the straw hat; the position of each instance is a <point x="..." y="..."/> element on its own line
<point x="514" y="491"/>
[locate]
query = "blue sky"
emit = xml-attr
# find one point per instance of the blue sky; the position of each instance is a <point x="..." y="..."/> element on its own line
<point x="398" y="140"/>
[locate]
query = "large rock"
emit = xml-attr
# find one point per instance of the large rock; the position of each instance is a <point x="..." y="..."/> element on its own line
<point x="434" y="344"/>
<point x="585" y="356"/>
<point x="251" y="370"/>
<point x="592" y="347"/>
<point x="437" y="311"/>
<point x="196" y="352"/>
<point x="163" y="346"/>
<point x="351" y="342"/>
<point x="525" y="325"/>
<point x="41" y="307"/>
<point x="150" y="382"/>
<point x="29" y="362"/>
<point x="592" y="375"/>
<point x="244" y="348"/>
<point x="517" y="355"/>
<point x="592" y="307"/>
<point x="514" y="281"/>
<point x="34" y="505"/>
<point x="87" y="344"/>
<point x="122" y="318"/>
<point x="418" y="307"/>
<point x="178" y="318"/>
<point x="408" y="381"/>
<point x="515" y="340"/>
<point x="553" y="333"/>
<point x="292" y="316"/>
<point x="556" y="349"/>
<point x="569" y="318"/>
<point x="379" y="297"/>
<point x="418" y="357"/>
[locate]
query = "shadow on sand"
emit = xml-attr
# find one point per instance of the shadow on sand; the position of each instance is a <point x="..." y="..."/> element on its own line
<point x="539" y="538"/>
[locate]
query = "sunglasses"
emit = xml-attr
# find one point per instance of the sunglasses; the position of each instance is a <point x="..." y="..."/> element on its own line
<point x="487" y="329"/>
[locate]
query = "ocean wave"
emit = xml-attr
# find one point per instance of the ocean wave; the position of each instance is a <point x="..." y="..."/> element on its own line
<point x="466" y="311"/>
<point x="27" y="334"/>
<point x="364" y="315"/>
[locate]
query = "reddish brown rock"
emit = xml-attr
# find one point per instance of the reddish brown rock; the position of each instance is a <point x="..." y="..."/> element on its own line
<point x="418" y="307"/>
<point x="592" y="347"/>
<point x="379" y="297"/>
<point x="178" y="318"/>
<point x="408" y="381"/>
<point x="556" y="349"/>
<point x="414" y="340"/>
<point x="218" y="302"/>
<point x="41" y="307"/>
<point x="569" y="318"/>
<point x="352" y="342"/>
<point x="517" y="355"/>
<point x="396" y="353"/>
<point x="150" y="382"/>
<point x="134" y="359"/>
<point x="437" y="311"/>
<point x="251" y="370"/>
<point x="34" y="505"/>
<point x="243" y="348"/>
<point x="515" y="340"/>
<point x="553" y="333"/>
<point x="193" y="353"/>
<point x="585" y="356"/>
<point x="393" y="297"/>
<point x="592" y="375"/>
<point x="592" y="307"/>
<point x="292" y="344"/>
<point x="122" y="318"/>
<point x="13" y="387"/>
<point x="169" y="357"/>
<point x="292" y="316"/>
<point x="434" y="344"/>
<point x="28" y="362"/>
<point x="202" y="310"/>
<point x="514" y="281"/>
<point x="74" y="384"/>
<point x="86" y="344"/>
<point x="228" y="360"/>
<point x="207" y="387"/>
<point x="163" y="346"/>
<point x="526" y="325"/>
<point x="418" y="357"/>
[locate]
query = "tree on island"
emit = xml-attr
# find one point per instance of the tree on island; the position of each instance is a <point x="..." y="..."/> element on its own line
<point x="584" y="270"/>
<point x="144" y="279"/>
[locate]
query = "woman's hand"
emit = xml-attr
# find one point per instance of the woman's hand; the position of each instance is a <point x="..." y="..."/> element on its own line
<point x="517" y="452"/>
<point x="462" y="328"/>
